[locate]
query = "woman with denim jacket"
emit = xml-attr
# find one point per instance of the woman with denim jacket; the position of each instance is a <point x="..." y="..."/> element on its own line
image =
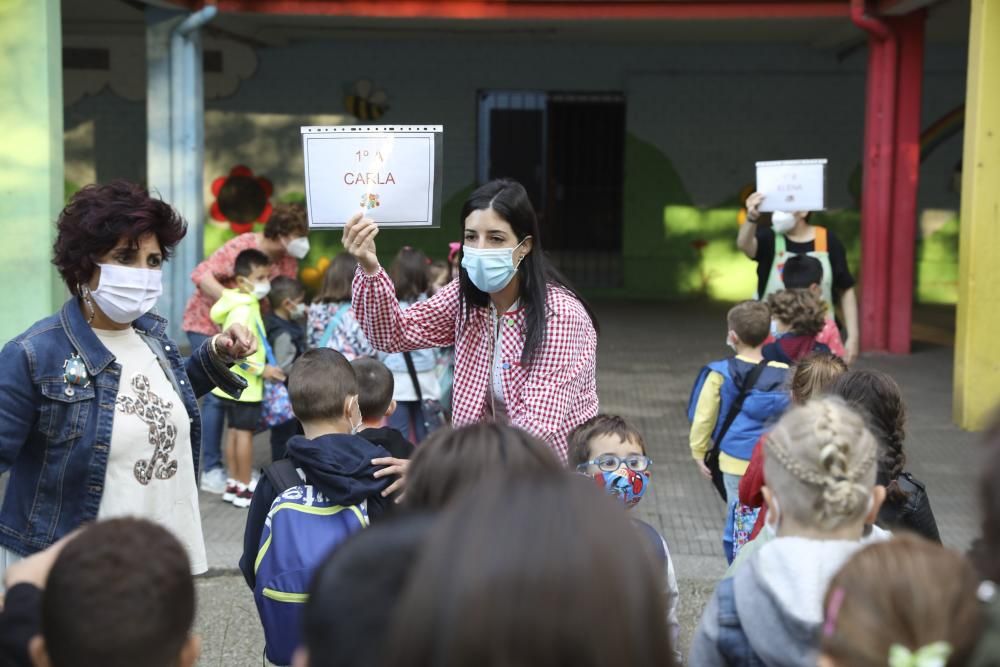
<point x="98" y="411"/>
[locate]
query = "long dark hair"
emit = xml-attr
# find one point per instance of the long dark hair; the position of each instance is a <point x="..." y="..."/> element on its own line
<point x="519" y="569"/>
<point x="510" y="201"/>
<point x="877" y="396"/>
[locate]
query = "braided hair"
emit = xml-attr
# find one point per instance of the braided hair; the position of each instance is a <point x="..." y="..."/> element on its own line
<point x="820" y="461"/>
<point x="878" y="398"/>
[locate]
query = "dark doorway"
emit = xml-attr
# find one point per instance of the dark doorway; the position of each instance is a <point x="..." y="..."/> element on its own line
<point x="568" y="152"/>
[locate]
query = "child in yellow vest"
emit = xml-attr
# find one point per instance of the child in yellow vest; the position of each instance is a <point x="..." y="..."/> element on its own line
<point x="242" y="305"/>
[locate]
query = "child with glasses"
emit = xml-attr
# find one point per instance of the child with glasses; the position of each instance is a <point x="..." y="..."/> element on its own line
<point x="613" y="453"/>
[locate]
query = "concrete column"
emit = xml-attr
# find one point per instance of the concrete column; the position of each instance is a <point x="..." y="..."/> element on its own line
<point x="175" y="110"/>
<point x="977" y="362"/>
<point x="31" y="160"/>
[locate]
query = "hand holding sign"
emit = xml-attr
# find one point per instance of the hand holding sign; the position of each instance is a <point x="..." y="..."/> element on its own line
<point x="359" y="240"/>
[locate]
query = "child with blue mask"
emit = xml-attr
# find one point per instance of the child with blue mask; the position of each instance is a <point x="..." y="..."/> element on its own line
<point x="613" y="453"/>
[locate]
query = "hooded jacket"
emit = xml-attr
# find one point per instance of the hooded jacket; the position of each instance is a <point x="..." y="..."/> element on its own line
<point x="790" y="348"/>
<point x="238" y="307"/>
<point x="339" y="465"/>
<point x="779" y="599"/>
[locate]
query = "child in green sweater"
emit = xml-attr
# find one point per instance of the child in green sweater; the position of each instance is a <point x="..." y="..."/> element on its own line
<point x="242" y="305"/>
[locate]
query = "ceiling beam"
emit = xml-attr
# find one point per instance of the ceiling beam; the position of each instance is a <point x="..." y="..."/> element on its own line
<point x="539" y="10"/>
<point x="901" y="7"/>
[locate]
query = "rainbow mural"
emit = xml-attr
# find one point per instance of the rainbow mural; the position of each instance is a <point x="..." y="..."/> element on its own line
<point x="941" y="130"/>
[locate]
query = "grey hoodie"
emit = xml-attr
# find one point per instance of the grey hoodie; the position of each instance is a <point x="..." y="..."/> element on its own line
<point x="779" y="598"/>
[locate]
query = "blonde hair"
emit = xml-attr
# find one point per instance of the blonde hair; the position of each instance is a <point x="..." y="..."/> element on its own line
<point x="814" y="374"/>
<point x="914" y="591"/>
<point x="800" y="309"/>
<point x="820" y="462"/>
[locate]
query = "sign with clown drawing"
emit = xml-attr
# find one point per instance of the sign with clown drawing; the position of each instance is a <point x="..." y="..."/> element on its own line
<point x="390" y="173"/>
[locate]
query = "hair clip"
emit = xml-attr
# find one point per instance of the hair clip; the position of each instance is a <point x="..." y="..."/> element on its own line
<point x="932" y="655"/>
<point x="833" y="611"/>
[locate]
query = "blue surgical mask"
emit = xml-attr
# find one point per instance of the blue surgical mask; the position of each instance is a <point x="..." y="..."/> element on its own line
<point x="491" y="269"/>
<point x="626" y="485"/>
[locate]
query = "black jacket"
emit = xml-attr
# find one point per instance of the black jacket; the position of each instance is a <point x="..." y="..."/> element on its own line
<point x="391" y="439"/>
<point x="913" y="515"/>
<point x="20" y="620"/>
<point x="339" y="465"/>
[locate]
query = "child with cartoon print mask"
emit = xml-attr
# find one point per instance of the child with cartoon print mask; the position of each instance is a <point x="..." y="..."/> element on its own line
<point x="612" y="452"/>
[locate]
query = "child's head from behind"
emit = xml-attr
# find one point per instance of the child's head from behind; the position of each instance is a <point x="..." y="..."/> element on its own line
<point x="877" y="397"/>
<point x="323" y="389"/>
<point x="919" y="595"/>
<point x="453" y="460"/>
<point x="802" y="272"/>
<point x="820" y="469"/>
<point x="799" y="311"/>
<point x="251" y="269"/>
<point x="548" y="537"/>
<point x="613" y="452"/>
<point x="119" y="594"/>
<point x="749" y="324"/>
<point x="337" y="279"/>
<point x="439" y="274"/>
<point x="814" y="374"/>
<point x="288" y="295"/>
<point x="375" y="388"/>
<point x="409" y="273"/>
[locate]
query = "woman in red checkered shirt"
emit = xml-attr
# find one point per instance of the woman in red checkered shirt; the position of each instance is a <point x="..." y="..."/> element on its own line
<point x="525" y="341"/>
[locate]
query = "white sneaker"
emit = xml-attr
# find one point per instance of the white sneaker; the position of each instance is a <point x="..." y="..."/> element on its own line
<point x="214" y="481"/>
<point x="232" y="490"/>
<point x="243" y="498"/>
<point x="253" y="482"/>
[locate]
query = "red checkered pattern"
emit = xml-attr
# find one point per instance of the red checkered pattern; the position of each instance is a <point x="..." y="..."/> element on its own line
<point x="548" y="399"/>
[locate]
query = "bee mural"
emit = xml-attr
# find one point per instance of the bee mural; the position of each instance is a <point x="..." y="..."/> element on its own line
<point x="366" y="103"/>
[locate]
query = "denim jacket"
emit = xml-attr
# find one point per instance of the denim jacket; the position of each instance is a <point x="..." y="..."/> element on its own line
<point x="55" y="435"/>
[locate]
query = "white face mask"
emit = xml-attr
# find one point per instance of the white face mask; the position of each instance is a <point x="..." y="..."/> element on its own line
<point x="125" y="293"/>
<point x="298" y="311"/>
<point x="261" y="289"/>
<point x="729" y="341"/>
<point x="298" y="247"/>
<point x="773" y="519"/>
<point x="361" y="421"/>
<point x="782" y="222"/>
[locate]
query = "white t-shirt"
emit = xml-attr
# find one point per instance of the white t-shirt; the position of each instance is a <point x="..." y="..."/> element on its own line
<point x="150" y="464"/>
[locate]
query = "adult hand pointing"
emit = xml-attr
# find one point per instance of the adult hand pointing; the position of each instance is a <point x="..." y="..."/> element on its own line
<point x="359" y="240"/>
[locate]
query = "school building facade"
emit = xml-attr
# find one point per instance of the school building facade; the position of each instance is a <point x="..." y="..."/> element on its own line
<point x="635" y="126"/>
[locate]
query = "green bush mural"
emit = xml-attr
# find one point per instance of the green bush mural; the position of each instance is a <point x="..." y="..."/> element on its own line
<point x="673" y="249"/>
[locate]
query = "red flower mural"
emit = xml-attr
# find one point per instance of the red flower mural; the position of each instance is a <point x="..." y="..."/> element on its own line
<point x="241" y="199"/>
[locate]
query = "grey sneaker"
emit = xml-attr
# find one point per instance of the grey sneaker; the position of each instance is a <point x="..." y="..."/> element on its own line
<point x="214" y="481"/>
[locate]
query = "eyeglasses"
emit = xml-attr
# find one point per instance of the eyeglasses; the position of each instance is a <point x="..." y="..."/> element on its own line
<point x="610" y="462"/>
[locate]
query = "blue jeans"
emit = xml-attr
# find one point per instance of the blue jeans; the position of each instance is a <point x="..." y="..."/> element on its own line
<point x="732" y="483"/>
<point x="408" y="419"/>
<point x="213" y="418"/>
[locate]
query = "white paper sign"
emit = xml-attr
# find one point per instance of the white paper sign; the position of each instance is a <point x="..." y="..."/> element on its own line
<point x="792" y="185"/>
<point x="391" y="173"/>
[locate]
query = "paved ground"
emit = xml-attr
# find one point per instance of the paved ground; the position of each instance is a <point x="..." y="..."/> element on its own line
<point x="649" y="356"/>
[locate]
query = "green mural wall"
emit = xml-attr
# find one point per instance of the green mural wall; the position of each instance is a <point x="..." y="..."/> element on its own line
<point x="673" y="249"/>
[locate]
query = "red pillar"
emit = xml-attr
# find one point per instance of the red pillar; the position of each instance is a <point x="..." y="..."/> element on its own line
<point x="891" y="173"/>
<point x="906" y="175"/>
<point x="876" y="193"/>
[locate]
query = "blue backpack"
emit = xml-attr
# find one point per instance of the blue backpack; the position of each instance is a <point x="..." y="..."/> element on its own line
<point x="301" y="530"/>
